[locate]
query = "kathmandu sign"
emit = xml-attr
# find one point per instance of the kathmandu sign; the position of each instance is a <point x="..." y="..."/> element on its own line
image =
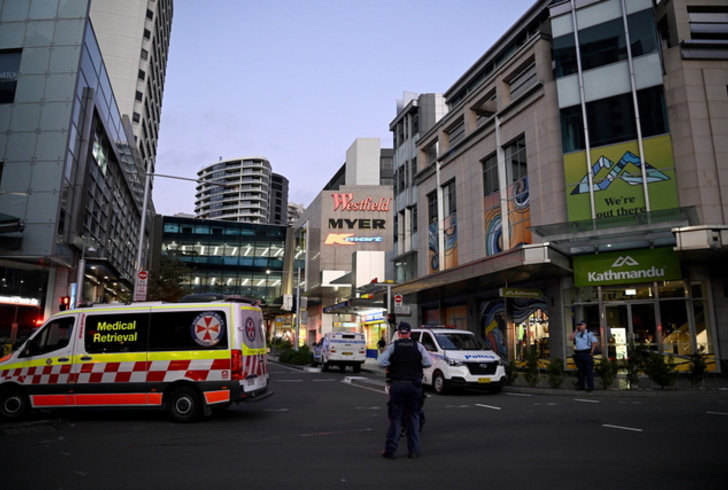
<point x="629" y="266"/>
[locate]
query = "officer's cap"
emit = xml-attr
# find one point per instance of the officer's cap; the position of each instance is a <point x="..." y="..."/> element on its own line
<point x="404" y="327"/>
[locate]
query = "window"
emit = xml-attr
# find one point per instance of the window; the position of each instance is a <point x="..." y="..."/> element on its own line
<point x="456" y="133"/>
<point x="515" y="156"/>
<point x="449" y="198"/>
<point x="490" y="175"/>
<point x="177" y="331"/>
<point x="432" y="207"/>
<point x="612" y="120"/>
<point x="523" y="80"/>
<point x="708" y="23"/>
<point x="9" y="73"/>
<point x="55" y="335"/>
<point x="414" y="218"/>
<point x="116" y="332"/>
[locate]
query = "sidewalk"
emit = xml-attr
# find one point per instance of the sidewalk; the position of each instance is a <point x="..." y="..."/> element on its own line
<point x="713" y="384"/>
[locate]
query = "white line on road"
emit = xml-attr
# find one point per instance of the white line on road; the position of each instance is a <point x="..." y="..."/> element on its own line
<point x="518" y="394"/>
<point x="289" y="380"/>
<point x="585" y="400"/>
<point x="717" y="413"/>
<point x="488" y="406"/>
<point x="621" y="428"/>
<point x="329" y="379"/>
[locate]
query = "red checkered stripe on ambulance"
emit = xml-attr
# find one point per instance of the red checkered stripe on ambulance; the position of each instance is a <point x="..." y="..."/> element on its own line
<point x="165" y="371"/>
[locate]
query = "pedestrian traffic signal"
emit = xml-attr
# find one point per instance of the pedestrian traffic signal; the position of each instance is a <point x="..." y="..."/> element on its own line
<point x="65" y="302"/>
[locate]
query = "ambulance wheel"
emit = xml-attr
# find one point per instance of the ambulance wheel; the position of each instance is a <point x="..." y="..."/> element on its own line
<point x="14" y="404"/>
<point x="184" y="405"/>
<point x="439" y="385"/>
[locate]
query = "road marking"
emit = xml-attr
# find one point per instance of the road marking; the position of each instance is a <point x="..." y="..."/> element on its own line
<point x="289" y="380"/>
<point x="275" y="410"/>
<point x="487" y="406"/>
<point x="609" y="426"/>
<point x="518" y="394"/>
<point x="717" y="413"/>
<point x="585" y="400"/>
<point x="329" y="379"/>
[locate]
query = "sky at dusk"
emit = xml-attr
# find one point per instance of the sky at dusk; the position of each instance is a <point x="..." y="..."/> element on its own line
<point x="297" y="81"/>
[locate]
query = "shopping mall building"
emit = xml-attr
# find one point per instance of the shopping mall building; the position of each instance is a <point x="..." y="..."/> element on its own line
<point x="578" y="174"/>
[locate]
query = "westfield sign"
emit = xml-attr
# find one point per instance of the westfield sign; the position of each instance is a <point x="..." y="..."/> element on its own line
<point x="346" y="202"/>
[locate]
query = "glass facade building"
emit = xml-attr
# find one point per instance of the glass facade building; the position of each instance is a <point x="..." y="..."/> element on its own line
<point x="226" y="257"/>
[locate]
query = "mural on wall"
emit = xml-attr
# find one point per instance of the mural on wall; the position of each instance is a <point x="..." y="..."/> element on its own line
<point x="519" y="213"/>
<point x="519" y="218"/>
<point x="493" y="326"/>
<point x="616" y="173"/>
<point x="451" y="244"/>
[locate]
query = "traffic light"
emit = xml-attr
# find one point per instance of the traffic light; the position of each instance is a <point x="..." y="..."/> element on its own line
<point x="65" y="302"/>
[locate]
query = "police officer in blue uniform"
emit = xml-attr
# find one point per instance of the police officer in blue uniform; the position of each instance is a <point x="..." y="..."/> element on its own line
<point x="585" y="343"/>
<point x="405" y="358"/>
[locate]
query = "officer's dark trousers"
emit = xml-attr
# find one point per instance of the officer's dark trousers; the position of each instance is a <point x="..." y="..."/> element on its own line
<point x="404" y="397"/>
<point x="585" y="364"/>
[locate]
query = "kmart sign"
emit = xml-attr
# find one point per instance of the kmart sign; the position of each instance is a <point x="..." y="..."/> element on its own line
<point x="656" y="264"/>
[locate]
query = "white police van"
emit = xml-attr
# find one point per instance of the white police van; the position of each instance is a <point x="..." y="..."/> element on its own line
<point x="340" y="349"/>
<point x="189" y="357"/>
<point x="460" y="359"/>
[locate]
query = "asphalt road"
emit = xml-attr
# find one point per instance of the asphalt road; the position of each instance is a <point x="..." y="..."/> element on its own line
<point x="321" y="432"/>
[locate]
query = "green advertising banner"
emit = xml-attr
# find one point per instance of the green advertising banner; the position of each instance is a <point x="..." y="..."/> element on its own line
<point x="628" y="266"/>
<point x="617" y="181"/>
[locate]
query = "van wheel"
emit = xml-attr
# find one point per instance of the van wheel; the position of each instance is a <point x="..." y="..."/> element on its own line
<point x="439" y="385"/>
<point x="184" y="405"/>
<point x="14" y="404"/>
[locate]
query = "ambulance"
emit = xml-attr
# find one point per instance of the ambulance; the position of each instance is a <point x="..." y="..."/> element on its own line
<point x="188" y="357"/>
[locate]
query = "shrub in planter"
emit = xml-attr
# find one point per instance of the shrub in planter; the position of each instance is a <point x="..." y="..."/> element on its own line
<point x="530" y="373"/>
<point x="300" y="357"/>
<point x="698" y="367"/>
<point x="511" y="373"/>
<point x="659" y="370"/>
<point x="555" y="372"/>
<point x="607" y="370"/>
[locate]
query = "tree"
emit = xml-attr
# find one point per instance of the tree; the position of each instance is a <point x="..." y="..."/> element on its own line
<point x="167" y="282"/>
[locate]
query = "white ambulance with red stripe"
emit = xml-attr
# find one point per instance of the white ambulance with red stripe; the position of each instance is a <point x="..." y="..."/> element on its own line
<point x="190" y="358"/>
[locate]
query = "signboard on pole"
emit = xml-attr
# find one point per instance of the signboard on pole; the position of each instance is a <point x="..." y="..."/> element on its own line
<point x="140" y="286"/>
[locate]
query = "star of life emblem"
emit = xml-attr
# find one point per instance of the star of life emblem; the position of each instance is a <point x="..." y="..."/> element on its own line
<point x="208" y="328"/>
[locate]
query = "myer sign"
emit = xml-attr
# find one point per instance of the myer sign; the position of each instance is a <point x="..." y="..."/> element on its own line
<point x="657" y="264"/>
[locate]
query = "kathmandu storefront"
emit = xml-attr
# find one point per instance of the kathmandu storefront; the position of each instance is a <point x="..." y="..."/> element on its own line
<point x="640" y="297"/>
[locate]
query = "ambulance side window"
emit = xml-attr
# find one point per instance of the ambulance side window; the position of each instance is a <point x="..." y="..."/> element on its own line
<point x="116" y="332"/>
<point x="188" y="330"/>
<point x="54" y="336"/>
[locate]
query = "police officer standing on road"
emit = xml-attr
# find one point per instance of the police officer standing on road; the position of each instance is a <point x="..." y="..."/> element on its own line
<point x="405" y="359"/>
<point x="585" y="343"/>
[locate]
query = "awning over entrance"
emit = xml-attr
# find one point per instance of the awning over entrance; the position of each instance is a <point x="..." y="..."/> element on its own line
<point x="357" y="306"/>
<point x="10" y="224"/>
<point x="530" y="262"/>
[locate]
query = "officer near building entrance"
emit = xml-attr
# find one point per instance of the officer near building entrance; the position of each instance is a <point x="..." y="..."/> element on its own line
<point x="585" y="342"/>
<point x="405" y="358"/>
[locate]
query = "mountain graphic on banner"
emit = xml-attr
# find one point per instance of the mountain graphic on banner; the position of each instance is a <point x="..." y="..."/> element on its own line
<point x="605" y="172"/>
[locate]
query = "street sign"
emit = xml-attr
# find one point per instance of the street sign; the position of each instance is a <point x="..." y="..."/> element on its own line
<point x="140" y="286"/>
<point x="398" y="299"/>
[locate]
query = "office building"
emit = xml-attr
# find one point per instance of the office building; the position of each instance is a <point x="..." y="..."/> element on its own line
<point x="577" y="176"/>
<point x="70" y="172"/>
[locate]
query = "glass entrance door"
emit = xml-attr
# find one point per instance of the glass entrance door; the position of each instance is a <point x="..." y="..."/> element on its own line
<point x="629" y="322"/>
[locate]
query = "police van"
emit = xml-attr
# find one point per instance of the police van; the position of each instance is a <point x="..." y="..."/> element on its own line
<point x="460" y="359"/>
<point x="340" y="349"/>
<point x="190" y="358"/>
